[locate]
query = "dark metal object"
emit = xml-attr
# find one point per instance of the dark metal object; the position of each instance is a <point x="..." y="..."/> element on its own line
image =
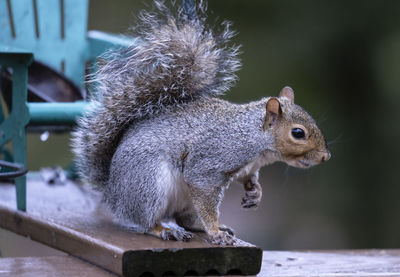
<point x="44" y="85"/>
<point x="51" y="85"/>
<point x="19" y="170"/>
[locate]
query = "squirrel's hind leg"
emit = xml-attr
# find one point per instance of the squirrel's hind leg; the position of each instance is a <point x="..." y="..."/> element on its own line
<point x="191" y="222"/>
<point x="206" y="202"/>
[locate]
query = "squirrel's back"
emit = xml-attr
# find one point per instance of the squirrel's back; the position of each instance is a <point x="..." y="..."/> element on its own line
<point x="174" y="60"/>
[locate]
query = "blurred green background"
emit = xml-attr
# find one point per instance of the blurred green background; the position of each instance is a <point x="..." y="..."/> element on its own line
<point x="342" y="58"/>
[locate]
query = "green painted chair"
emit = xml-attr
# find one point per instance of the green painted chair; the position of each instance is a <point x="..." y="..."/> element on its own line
<point x="53" y="32"/>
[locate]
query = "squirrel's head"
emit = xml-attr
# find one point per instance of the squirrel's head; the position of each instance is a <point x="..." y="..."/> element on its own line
<point x="298" y="139"/>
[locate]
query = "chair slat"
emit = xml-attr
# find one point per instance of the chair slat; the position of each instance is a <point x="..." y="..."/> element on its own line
<point x="49" y="19"/>
<point x="75" y="15"/>
<point x="5" y="27"/>
<point x="24" y="23"/>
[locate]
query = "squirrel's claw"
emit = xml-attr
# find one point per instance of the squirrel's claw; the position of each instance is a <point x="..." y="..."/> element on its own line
<point x="253" y="195"/>
<point x="250" y="201"/>
<point x="223" y="238"/>
<point x="249" y="205"/>
<point x="227" y="229"/>
<point x="176" y="234"/>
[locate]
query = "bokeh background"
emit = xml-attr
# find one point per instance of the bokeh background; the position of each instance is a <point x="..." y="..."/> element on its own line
<point x="343" y="60"/>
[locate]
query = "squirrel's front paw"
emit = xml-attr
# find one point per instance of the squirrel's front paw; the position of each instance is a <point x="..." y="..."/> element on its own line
<point x="223" y="238"/>
<point x="253" y="195"/>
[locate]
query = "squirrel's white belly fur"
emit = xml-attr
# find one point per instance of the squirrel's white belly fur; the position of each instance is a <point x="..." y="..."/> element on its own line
<point x="176" y="189"/>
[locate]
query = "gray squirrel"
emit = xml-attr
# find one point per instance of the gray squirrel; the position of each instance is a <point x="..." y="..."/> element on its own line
<point x="160" y="145"/>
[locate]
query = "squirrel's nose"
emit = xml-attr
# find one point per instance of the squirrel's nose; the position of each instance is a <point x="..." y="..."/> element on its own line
<point x="326" y="156"/>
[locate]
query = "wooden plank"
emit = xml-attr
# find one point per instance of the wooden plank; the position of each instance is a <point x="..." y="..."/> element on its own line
<point x="46" y="231"/>
<point x="13" y="245"/>
<point x="68" y="218"/>
<point x="49" y="266"/>
<point x="351" y="263"/>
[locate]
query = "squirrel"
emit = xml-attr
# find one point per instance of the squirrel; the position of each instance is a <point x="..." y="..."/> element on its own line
<point x="160" y="144"/>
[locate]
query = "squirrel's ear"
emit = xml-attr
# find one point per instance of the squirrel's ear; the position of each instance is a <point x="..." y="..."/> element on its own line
<point x="273" y="110"/>
<point x="288" y="93"/>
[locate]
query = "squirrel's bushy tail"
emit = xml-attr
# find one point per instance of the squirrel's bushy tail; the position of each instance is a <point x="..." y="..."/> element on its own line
<point x="175" y="59"/>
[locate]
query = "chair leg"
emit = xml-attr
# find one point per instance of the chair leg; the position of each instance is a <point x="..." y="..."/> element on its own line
<point x="14" y="125"/>
<point x="19" y="147"/>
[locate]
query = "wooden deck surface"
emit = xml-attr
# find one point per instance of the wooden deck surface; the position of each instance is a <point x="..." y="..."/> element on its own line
<point x="354" y="263"/>
<point x="49" y="267"/>
<point x="360" y="263"/>
<point x="67" y="218"/>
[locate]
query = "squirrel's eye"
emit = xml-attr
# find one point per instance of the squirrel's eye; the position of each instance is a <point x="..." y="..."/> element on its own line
<point x="298" y="133"/>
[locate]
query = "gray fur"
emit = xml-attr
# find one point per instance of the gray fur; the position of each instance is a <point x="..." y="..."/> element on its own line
<point x="159" y="144"/>
<point x="177" y="60"/>
<point x="192" y="138"/>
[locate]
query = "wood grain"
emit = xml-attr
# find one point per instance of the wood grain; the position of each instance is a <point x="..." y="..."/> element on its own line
<point x="354" y="263"/>
<point x="53" y="266"/>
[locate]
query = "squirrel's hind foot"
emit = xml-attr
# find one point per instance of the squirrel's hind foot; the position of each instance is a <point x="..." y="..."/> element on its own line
<point x="176" y="234"/>
<point x="227" y="229"/>
<point x="171" y="233"/>
<point x="223" y="238"/>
